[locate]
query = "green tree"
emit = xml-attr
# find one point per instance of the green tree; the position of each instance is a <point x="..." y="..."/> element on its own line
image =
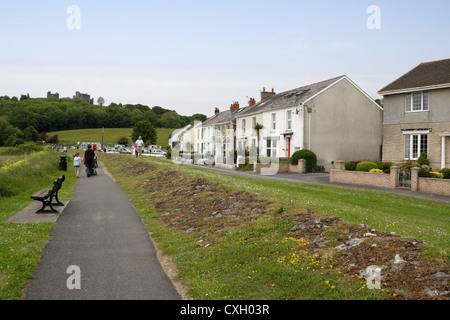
<point x="100" y="101"/>
<point x="258" y="128"/>
<point x="146" y="131"/>
<point x="123" y="140"/>
<point x="30" y="134"/>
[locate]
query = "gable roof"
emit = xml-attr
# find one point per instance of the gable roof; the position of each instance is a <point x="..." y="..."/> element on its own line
<point x="292" y="97"/>
<point x="434" y="74"/>
<point x="223" y="117"/>
<point x="298" y="96"/>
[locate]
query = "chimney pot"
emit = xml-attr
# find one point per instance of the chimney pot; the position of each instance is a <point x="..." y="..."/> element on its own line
<point x="234" y="106"/>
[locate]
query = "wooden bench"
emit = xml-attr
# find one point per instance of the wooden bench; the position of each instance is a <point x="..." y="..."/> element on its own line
<point x="46" y="196"/>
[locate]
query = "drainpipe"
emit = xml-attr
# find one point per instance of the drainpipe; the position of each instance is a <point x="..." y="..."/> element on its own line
<point x="309" y="126"/>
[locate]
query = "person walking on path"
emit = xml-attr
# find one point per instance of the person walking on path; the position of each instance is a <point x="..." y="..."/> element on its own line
<point x="77" y="164"/>
<point x="139" y="145"/>
<point x="89" y="156"/>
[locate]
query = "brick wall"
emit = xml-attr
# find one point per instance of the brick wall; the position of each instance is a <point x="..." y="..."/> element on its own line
<point x="436" y="186"/>
<point x="373" y="179"/>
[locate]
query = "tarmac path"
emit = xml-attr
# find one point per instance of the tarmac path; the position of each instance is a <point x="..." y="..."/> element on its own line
<point x="100" y="250"/>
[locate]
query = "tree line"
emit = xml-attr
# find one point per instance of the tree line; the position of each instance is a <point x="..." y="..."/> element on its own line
<point x="23" y="119"/>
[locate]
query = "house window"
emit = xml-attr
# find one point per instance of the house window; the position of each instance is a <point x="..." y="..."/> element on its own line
<point x="271" y="147"/>
<point x="243" y="127"/>
<point x="289" y="120"/>
<point x="415" y="145"/>
<point x="274" y="121"/>
<point x="418" y="101"/>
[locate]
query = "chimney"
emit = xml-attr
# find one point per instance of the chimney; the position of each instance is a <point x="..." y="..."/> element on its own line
<point x="267" y="95"/>
<point x="217" y="111"/>
<point x="234" y="106"/>
<point x="252" y="102"/>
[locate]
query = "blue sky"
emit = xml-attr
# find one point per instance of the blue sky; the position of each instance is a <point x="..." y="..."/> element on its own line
<point x="193" y="56"/>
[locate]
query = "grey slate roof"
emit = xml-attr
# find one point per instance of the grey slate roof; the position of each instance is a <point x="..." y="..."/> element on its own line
<point x="424" y="75"/>
<point x="223" y="117"/>
<point x="292" y="97"/>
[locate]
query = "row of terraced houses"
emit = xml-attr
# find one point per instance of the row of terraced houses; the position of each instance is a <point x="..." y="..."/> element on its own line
<point x="336" y="120"/>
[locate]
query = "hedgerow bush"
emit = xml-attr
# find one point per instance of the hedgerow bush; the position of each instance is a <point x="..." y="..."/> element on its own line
<point x="445" y="173"/>
<point x="351" y="165"/>
<point x="308" y="155"/>
<point x="366" y="166"/>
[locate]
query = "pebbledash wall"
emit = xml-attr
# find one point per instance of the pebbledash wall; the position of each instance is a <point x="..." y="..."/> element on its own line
<point x="375" y="179"/>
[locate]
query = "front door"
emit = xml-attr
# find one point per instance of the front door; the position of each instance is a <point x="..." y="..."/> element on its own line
<point x="288" y="146"/>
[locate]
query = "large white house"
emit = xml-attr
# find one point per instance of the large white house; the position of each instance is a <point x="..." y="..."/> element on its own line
<point x="333" y="118"/>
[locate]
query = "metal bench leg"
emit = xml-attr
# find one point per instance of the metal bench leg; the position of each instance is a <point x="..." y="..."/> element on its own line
<point x="44" y="204"/>
<point x="58" y="203"/>
<point x="43" y="207"/>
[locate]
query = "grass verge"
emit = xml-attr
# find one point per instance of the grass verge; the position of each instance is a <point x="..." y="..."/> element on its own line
<point x="241" y="238"/>
<point x="21" y="244"/>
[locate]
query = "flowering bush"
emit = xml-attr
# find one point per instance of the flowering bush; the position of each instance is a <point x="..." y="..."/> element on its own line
<point x="376" y="170"/>
<point x="437" y="175"/>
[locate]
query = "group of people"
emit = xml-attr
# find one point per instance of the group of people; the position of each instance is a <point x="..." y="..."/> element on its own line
<point x="89" y="158"/>
<point x="138" y="149"/>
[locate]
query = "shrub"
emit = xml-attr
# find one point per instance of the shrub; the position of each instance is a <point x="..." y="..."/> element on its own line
<point x="437" y="175"/>
<point x="366" y="166"/>
<point x="383" y="165"/>
<point x="351" y="165"/>
<point x="376" y="170"/>
<point x="123" y="140"/>
<point x="309" y="156"/>
<point x="28" y="147"/>
<point x="445" y="173"/>
<point x="423" y="159"/>
<point x="424" y="174"/>
<point x="409" y="166"/>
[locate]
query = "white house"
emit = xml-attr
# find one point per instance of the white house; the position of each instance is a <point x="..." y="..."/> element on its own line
<point x="333" y="118"/>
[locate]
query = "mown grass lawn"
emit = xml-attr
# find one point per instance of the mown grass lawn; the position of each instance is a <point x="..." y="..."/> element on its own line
<point x="258" y="259"/>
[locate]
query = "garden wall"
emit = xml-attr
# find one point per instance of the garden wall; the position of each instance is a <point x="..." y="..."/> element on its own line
<point x="436" y="186"/>
<point x="375" y="179"/>
<point x="284" y="167"/>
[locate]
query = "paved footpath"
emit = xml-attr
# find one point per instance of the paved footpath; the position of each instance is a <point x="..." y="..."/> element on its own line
<point x="100" y="233"/>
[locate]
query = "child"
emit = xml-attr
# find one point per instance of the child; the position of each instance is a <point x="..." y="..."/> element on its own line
<point x="77" y="164"/>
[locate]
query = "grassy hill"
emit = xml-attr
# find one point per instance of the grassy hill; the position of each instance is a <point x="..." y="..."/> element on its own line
<point x="110" y="136"/>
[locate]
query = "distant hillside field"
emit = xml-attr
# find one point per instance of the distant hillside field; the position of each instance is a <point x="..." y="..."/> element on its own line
<point x="110" y="136"/>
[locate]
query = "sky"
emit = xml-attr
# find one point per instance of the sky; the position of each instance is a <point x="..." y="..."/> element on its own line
<point x="194" y="56"/>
